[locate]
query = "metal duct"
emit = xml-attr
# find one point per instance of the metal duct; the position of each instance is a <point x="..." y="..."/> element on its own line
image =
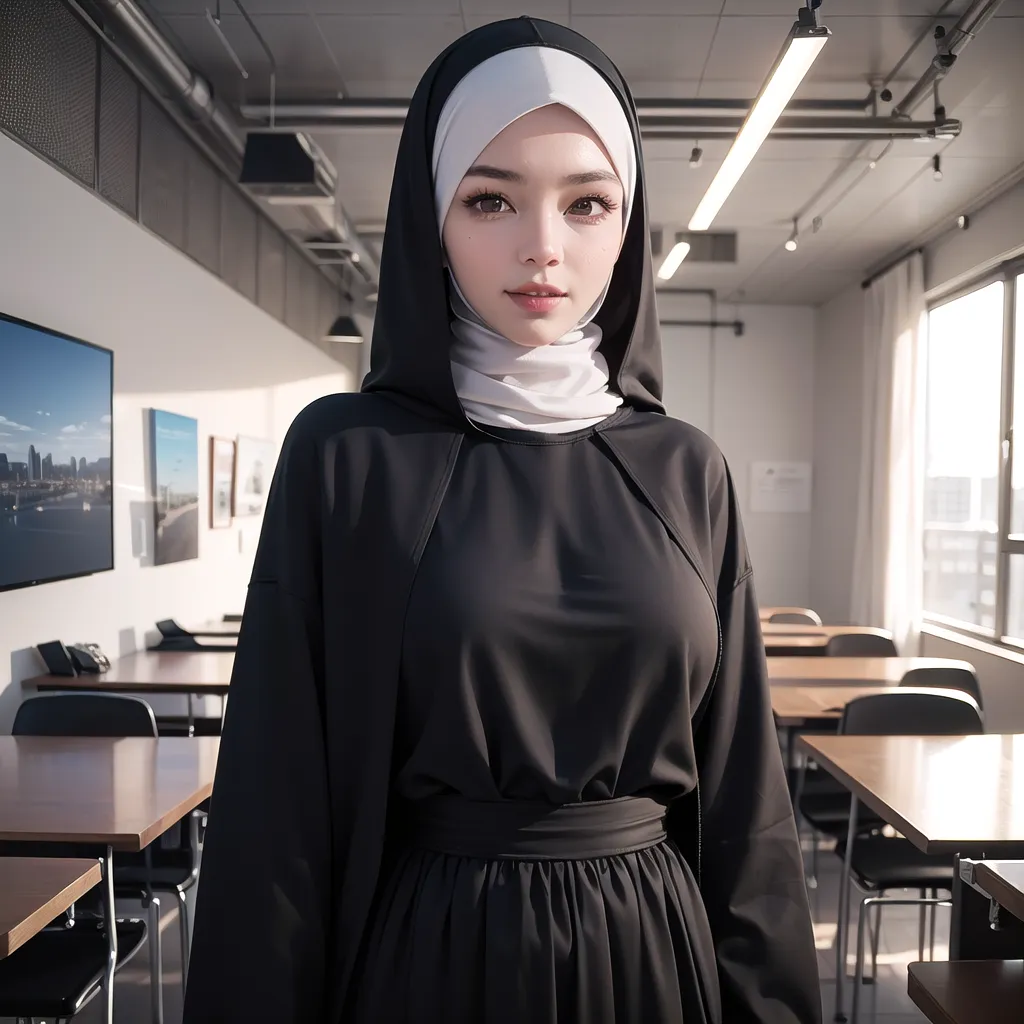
<point x="659" y="119"/>
<point x="197" y="96"/>
<point x="950" y="46"/>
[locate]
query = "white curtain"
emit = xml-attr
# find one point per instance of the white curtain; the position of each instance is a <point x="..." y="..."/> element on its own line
<point x="888" y="554"/>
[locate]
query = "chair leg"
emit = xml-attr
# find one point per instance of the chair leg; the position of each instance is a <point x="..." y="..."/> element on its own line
<point x="858" y="975"/>
<point x="920" y="924"/>
<point x="156" y="970"/>
<point x="874" y="940"/>
<point x="931" y="940"/>
<point x="813" y="880"/>
<point x="183" y="932"/>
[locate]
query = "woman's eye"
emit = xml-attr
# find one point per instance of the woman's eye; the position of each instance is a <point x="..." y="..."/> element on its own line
<point x="490" y="204"/>
<point x="586" y="208"/>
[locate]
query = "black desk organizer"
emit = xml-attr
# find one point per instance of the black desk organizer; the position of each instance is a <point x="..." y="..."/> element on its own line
<point x="176" y="638"/>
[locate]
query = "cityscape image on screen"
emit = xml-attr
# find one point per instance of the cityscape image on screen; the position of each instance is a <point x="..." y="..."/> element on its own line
<point x="55" y="456"/>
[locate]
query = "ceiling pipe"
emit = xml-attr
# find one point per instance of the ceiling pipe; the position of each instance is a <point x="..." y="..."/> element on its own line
<point x="948" y="47"/>
<point x="197" y="97"/>
<point x="659" y="119"/>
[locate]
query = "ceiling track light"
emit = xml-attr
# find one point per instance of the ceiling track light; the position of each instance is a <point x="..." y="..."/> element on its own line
<point x="675" y="256"/>
<point x="696" y="156"/>
<point x="805" y="42"/>
<point x="794" y="239"/>
<point x="937" y="167"/>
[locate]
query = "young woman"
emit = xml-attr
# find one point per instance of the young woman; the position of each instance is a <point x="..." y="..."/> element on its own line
<point x="499" y="747"/>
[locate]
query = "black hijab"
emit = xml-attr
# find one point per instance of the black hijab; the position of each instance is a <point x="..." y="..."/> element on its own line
<point x="411" y="334"/>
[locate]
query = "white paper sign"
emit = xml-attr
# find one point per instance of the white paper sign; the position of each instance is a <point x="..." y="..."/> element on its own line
<point x="780" y="487"/>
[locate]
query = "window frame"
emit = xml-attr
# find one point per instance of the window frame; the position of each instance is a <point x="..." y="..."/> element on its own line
<point x="1009" y="544"/>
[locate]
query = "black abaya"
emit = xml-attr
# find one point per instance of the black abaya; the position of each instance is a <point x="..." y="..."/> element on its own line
<point x="439" y="612"/>
<point x="550" y="632"/>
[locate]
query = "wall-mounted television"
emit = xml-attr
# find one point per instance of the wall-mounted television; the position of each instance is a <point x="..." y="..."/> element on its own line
<point x="56" y="484"/>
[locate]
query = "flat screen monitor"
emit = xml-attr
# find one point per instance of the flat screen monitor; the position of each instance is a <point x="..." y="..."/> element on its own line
<point x="56" y="407"/>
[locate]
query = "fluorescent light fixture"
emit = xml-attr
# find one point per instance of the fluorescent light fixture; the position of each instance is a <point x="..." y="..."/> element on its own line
<point x="805" y="42"/>
<point x="675" y="256"/>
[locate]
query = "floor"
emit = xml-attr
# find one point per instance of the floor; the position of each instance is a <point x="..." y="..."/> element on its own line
<point x="886" y="1002"/>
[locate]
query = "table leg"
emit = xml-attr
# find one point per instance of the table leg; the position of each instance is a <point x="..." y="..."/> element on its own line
<point x="110" y="915"/>
<point x="844" y="911"/>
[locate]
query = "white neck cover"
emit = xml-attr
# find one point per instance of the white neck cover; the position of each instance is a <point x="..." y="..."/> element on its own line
<point x="553" y="388"/>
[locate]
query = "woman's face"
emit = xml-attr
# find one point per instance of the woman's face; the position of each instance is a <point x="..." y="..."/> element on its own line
<point x="539" y="211"/>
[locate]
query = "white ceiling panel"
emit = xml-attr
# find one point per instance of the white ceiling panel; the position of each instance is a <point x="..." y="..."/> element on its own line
<point x="495" y="10"/>
<point x="387" y="47"/>
<point x="682" y="8"/>
<point x="650" y="47"/>
<point x="832" y="10"/>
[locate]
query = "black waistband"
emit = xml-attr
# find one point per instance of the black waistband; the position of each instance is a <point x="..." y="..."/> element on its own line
<point x="524" y="830"/>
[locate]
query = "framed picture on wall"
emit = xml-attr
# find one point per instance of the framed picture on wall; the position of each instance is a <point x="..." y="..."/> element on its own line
<point x="175" y="441"/>
<point x="222" y="481"/>
<point x="254" y="468"/>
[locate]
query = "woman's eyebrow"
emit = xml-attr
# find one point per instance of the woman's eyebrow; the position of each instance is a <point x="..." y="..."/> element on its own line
<point x="500" y="174"/>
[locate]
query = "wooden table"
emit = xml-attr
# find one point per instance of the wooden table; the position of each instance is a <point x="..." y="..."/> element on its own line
<point x="189" y="673"/>
<point x="205" y="674"/>
<point x="118" y="794"/>
<point x="35" y="890"/>
<point x="850" y="671"/>
<point x="946" y="794"/>
<point x="795" y="705"/>
<point x="955" y="795"/>
<point x="969" y="992"/>
<point x="1003" y="880"/>
<point x="801" y="641"/>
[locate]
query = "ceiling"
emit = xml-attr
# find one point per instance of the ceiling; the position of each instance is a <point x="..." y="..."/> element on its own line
<point x="326" y="49"/>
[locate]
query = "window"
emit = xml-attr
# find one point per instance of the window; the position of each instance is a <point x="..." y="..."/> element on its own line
<point x="974" y="474"/>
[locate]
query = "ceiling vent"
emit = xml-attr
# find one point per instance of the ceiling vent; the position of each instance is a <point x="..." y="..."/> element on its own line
<point x="286" y="167"/>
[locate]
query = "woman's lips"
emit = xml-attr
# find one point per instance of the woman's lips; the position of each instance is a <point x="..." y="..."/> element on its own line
<point x="536" y="303"/>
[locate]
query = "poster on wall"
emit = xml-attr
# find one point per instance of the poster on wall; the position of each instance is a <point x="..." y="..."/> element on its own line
<point x="780" y="487"/>
<point x="254" y="469"/>
<point x="222" y="481"/>
<point x="175" y="443"/>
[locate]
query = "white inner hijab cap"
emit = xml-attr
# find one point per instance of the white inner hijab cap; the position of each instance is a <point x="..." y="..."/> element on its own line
<point x="563" y="386"/>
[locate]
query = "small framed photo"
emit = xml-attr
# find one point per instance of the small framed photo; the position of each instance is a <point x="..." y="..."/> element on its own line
<point x="254" y="469"/>
<point x="222" y="481"/>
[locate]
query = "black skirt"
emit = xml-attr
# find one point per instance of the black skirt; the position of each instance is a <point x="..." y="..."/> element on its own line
<point x="512" y="912"/>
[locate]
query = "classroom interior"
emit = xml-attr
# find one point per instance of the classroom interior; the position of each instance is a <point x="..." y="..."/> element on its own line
<point x="192" y="205"/>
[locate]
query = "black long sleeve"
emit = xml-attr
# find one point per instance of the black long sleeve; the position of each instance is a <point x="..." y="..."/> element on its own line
<point x="262" y="924"/>
<point x="752" y="879"/>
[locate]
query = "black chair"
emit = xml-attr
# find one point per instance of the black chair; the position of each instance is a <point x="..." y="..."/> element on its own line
<point x="861" y="645"/>
<point x="952" y="677"/>
<point x="165" y="867"/>
<point x="875" y="862"/>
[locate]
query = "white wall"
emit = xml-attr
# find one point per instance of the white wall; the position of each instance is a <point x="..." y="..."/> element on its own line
<point x="183" y="341"/>
<point x="754" y="395"/>
<point x="838" y="404"/>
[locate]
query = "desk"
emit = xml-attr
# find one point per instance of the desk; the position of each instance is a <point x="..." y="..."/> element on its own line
<point x="1003" y="880"/>
<point x="850" y="671"/>
<point x="35" y="890"/>
<point x="794" y="705"/>
<point x="118" y="794"/>
<point x="801" y="641"/>
<point x="969" y="992"/>
<point x="203" y="674"/>
<point x="957" y="795"/>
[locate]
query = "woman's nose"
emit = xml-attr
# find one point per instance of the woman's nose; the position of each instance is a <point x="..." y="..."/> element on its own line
<point x="542" y="242"/>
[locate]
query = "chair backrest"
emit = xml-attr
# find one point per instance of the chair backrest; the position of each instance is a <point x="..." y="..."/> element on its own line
<point x="952" y="677"/>
<point x="861" y="645"/>
<point x="901" y="711"/>
<point x="84" y="714"/>
<point x="801" y="617"/>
